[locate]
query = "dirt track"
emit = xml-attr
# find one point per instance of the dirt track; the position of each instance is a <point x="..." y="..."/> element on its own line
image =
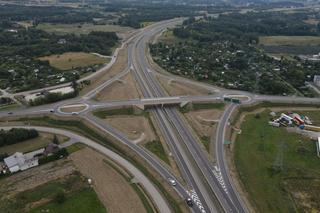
<point x="177" y="89"/>
<point x="120" y="90"/>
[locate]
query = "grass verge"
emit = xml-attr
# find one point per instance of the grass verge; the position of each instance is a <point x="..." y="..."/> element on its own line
<point x="156" y="148"/>
<point x="206" y="142"/>
<point x="111" y="112"/>
<point x="200" y="106"/>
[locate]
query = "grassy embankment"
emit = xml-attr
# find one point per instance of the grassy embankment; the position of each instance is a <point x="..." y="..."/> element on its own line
<point x="200" y="106"/>
<point x="280" y="170"/>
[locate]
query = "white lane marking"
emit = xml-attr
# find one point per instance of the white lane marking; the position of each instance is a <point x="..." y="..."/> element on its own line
<point x="217" y="173"/>
<point x="193" y="195"/>
<point x="43" y="110"/>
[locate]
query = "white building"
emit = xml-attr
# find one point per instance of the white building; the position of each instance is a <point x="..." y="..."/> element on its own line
<point x="316" y="80"/>
<point x="19" y="161"/>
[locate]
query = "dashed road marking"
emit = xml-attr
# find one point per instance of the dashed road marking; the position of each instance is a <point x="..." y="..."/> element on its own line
<point x="217" y="173"/>
<point x="193" y="195"/>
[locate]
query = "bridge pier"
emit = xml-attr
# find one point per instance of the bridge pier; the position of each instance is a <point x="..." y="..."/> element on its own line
<point x="140" y="106"/>
<point x="183" y="103"/>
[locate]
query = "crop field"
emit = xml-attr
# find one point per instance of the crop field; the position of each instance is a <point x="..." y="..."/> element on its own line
<point x="289" y="40"/>
<point x="279" y="170"/>
<point x="71" y="60"/>
<point x="78" y="29"/>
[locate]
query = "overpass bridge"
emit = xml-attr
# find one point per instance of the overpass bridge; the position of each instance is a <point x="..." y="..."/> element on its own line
<point x="159" y="101"/>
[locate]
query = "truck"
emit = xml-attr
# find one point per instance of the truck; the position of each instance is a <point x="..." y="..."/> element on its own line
<point x="236" y="101"/>
<point x="227" y="99"/>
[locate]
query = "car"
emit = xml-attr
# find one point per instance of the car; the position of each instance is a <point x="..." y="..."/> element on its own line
<point x="172" y="181"/>
<point x="52" y="110"/>
<point x="75" y="113"/>
<point x="10" y="113"/>
<point x="189" y="201"/>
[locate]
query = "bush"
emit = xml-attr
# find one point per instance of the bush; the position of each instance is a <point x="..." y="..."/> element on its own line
<point x="60" y="197"/>
<point x="58" y="155"/>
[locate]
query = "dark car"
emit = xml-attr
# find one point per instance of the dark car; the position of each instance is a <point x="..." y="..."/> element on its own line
<point x="189" y="202"/>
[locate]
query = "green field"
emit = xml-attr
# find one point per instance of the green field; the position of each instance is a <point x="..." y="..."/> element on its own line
<point x="81" y="202"/>
<point x="71" y="194"/>
<point x="289" y="40"/>
<point x="280" y="170"/>
<point x="78" y="29"/>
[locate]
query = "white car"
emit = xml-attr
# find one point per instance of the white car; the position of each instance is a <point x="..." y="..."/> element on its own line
<point x="172" y="181"/>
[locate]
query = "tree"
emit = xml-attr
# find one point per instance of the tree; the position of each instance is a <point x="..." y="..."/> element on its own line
<point x="55" y="140"/>
<point x="60" y="197"/>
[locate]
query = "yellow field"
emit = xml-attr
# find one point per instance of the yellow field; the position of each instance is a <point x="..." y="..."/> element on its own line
<point x="70" y="60"/>
<point x="80" y="28"/>
<point x="289" y="40"/>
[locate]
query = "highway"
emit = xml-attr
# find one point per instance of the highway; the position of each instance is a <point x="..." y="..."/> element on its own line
<point x="225" y="197"/>
<point x="208" y="184"/>
<point x="190" y="176"/>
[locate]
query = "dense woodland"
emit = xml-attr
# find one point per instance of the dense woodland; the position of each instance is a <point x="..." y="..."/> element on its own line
<point x="46" y="14"/>
<point x="225" y="52"/>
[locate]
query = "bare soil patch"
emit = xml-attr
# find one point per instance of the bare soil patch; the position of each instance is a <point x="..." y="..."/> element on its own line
<point x="175" y="88"/>
<point x="120" y="90"/>
<point x="117" y="67"/>
<point x="203" y="121"/>
<point x="137" y="128"/>
<point x="112" y="189"/>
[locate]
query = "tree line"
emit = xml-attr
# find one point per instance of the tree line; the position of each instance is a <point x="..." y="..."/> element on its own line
<point x="16" y="135"/>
